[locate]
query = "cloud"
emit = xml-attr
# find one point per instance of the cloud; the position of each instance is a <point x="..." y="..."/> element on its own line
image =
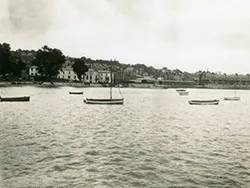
<point x="188" y="35"/>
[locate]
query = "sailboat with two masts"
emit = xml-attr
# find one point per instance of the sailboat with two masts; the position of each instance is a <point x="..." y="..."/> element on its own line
<point x="107" y="101"/>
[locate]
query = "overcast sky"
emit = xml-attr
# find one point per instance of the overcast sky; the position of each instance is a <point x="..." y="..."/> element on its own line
<point x="190" y="35"/>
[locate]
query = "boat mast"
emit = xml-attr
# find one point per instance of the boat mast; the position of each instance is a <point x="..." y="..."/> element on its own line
<point x="111" y="82"/>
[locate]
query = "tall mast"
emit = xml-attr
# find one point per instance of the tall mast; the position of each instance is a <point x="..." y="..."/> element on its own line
<point x="111" y="82"/>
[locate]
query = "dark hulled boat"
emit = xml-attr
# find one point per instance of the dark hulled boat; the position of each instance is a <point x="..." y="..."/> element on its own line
<point x="75" y="92"/>
<point x="180" y="90"/>
<point x="15" y="99"/>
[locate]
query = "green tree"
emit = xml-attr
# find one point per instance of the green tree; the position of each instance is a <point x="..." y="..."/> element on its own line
<point x="49" y="61"/>
<point x="79" y="68"/>
<point x="5" y="59"/>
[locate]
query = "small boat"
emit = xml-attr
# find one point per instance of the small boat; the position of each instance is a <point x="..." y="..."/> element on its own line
<point x="107" y="101"/>
<point x="232" y="98"/>
<point x="103" y="101"/>
<point x="15" y="99"/>
<point x="75" y="92"/>
<point x="180" y="90"/>
<point x="183" y="93"/>
<point x="204" y="102"/>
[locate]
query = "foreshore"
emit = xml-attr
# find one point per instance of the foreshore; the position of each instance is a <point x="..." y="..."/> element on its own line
<point x="138" y="85"/>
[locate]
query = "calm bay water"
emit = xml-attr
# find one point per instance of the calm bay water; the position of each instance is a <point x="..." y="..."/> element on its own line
<point x="156" y="139"/>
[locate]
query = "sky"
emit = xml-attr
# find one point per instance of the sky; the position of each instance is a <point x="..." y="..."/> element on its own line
<point x="189" y="35"/>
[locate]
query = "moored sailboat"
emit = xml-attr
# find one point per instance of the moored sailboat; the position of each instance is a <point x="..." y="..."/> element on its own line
<point x="103" y="101"/>
<point x="232" y="98"/>
<point x="107" y="101"/>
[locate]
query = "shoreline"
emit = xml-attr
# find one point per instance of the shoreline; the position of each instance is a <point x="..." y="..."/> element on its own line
<point x="135" y="86"/>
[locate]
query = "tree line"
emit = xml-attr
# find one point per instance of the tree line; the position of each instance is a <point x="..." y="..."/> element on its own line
<point x="10" y="63"/>
<point x="49" y="62"/>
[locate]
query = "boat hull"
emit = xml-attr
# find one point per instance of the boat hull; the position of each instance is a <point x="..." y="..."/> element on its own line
<point x="75" y="93"/>
<point x="183" y="93"/>
<point x="104" y="101"/>
<point x="14" y="99"/>
<point x="180" y="90"/>
<point x="204" y="102"/>
<point x="231" y="98"/>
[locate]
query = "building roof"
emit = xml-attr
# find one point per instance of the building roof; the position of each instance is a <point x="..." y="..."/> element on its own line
<point x="67" y="68"/>
<point x="104" y="71"/>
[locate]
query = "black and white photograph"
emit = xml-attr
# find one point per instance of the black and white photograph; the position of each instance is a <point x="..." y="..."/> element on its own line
<point x="124" y="93"/>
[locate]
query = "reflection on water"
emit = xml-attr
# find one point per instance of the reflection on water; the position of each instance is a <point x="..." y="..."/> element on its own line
<point x="156" y="139"/>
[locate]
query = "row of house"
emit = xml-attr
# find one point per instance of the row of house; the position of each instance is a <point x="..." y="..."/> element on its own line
<point x="67" y="73"/>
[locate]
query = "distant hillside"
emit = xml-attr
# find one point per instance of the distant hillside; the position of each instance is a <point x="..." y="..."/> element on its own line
<point x="126" y="72"/>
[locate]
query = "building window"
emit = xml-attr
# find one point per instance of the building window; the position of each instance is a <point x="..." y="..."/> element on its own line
<point x="87" y="77"/>
<point x="90" y="77"/>
<point x="75" y="77"/>
<point x="68" y="77"/>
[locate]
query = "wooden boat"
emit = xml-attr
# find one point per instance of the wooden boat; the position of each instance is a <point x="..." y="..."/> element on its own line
<point x="75" y="92"/>
<point x="180" y="90"/>
<point x="107" y="101"/>
<point x="204" y="102"/>
<point x="232" y="98"/>
<point x="15" y="99"/>
<point x="183" y="93"/>
<point x="104" y="101"/>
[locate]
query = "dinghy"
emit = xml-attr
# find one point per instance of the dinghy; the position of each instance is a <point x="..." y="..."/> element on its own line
<point x="75" y="92"/>
<point x="15" y="99"/>
<point x="204" y="102"/>
<point x="183" y="93"/>
<point x="180" y="90"/>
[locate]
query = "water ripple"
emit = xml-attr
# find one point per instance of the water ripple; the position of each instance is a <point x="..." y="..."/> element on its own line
<point x="154" y="140"/>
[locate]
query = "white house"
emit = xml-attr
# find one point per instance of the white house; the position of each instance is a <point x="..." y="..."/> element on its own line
<point x="33" y="71"/>
<point x="91" y="76"/>
<point x="105" y="76"/>
<point x="67" y="73"/>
